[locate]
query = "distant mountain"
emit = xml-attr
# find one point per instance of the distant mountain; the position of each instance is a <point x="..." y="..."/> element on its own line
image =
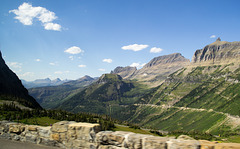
<point x="155" y="71"/>
<point x="43" y="82"/>
<point x="11" y="87"/>
<point x="51" y="96"/>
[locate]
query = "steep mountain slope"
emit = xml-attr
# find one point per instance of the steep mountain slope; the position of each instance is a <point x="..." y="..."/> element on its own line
<point x="11" y="87"/>
<point x="156" y="71"/>
<point x="52" y="96"/>
<point x="201" y="96"/>
<point x="124" y="72"/>
<point x="109" y="95"/>
<point x="217" y="53"/>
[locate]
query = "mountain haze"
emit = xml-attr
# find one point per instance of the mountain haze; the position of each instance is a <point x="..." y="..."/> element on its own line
<point x="43" y="82"/>
<point x="51" y="96"/>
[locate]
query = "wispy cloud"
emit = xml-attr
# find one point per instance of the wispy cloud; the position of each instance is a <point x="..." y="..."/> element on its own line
<point x="26" y="13"/>
<point x="107" y="60"/>
<point x="135" y="47"/>
<point x="155" y="50"/>
<point x="53" y="64"/>
<point x="71" y="58"/>
<point x="82" y="66"/>
<point x="213" y="36"/>
<point x="61" y="72"/>
<point x="101" y="69"/>
<point x="138" y="65"/>
<point x="37" y="60"/>
<point x="74" y="50"/>
<point x="14" y="65"/>
<point x="27" y="74"/>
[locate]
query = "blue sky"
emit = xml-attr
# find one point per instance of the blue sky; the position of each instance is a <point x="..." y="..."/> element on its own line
<point x="68" y="39"/>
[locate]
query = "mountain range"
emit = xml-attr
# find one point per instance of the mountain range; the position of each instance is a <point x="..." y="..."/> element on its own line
<point x="168" y="93"/>
<point x="51" y="96"/>
<point x="43" y="82"/>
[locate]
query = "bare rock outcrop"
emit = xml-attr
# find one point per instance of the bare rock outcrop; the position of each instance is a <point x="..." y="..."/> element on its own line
<point x="157" y="70"/>
<point x="124" y="72"/>
<point x="73" y="135"/>
<point x="218" y="52"/>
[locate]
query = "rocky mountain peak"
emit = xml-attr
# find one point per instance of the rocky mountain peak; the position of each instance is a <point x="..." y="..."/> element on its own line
<point x="167" y="59"/>
<point x="109" y="78"/>
<point x="124" y="72"/>
<point x="218" y="39"/>
<point x="218" y="52"/>
<point x="86" y="78"/>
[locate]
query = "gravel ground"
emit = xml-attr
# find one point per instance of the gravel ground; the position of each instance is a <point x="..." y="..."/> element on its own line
<point x="8" y="144"/>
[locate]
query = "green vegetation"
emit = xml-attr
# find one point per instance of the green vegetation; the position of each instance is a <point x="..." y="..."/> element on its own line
<point x="196" y="100"/>
<point x="42" y="121"/>
<point x="46" y="117"/>
<point x="135" y="130"/>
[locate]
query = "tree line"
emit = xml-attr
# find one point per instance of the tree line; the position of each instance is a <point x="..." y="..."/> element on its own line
<point x="11" y="112"/>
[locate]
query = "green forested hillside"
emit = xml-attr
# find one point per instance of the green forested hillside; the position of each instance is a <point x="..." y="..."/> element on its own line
<point x="109" y="95"/>
<point x="199" y="98"/>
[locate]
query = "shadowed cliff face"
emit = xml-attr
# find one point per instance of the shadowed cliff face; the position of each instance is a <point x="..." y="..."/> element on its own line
<point x="11" y="86"/>
<point x="218" y="52"/>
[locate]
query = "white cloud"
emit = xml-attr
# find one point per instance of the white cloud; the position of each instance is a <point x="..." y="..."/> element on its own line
<point x="71" y="58"/>
<point x="53" y="64"/>
<point x="74" y="50"/>
<point x="26" y="13"/>
<point x="37" y="60"/>
<point x="82" y="66"/>
<point x="46" y="16"/>
<point x="101" y="69"/>
<point x="61" y="72"/>
<point x="27" y="74"/>
<point x="135" y="47"/>
<point x="138" y="65"/>
<point x="156" y="50"/>
<point x="107" y="60"/>
<point x="15" y="65"/>
<point x="213" y="36"/>
<point x="52" y="26"/>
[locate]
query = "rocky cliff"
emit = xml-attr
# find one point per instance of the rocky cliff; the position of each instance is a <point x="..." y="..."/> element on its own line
<point x="218" y="52"/>
<point x="124" y="72"/>
<point x="66" y="134"/>
<point x="157" y="70"/>
<point x="11" y="87"/>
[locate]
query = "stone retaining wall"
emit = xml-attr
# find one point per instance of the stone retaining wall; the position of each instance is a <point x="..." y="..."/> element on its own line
<point x="73" y="135"/>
